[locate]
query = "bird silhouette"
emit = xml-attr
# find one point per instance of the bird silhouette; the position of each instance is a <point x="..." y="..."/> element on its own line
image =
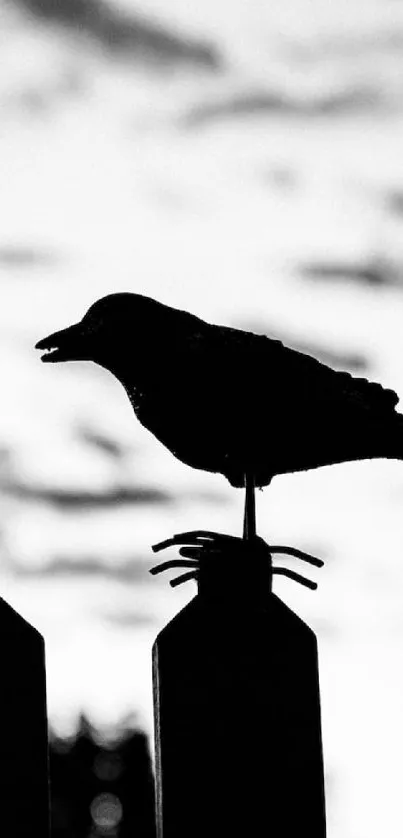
<point x="230" y="401"/>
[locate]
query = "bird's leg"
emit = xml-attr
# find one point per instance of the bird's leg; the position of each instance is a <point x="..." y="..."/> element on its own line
<point x="249" y="521"/>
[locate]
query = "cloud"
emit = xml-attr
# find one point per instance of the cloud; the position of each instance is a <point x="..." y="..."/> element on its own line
<point x="126" y="619"/>
<point x="121" y="32"/>
<point x="250" y="103"/>
<point x="127" y="572"/>
<point x="24" y="256"/>
<point x="103" y="442"/>
<point x="374" y="273"/>
<point x="67" y="499"/>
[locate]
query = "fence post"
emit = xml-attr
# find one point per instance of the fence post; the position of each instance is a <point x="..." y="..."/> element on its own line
<point x="24" y="776"/>
<point x="237" y="710"/>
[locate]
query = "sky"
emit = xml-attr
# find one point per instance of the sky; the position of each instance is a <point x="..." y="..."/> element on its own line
<point x="241" y="161"/>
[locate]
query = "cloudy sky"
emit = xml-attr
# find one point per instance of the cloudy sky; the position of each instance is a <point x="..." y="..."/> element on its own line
<point x="243" y="161"/>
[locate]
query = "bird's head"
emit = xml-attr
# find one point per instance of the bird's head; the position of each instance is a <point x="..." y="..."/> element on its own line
<point x="112" y="330"/>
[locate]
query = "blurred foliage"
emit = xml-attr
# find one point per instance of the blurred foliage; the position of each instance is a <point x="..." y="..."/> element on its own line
<point x="101" y="786"/>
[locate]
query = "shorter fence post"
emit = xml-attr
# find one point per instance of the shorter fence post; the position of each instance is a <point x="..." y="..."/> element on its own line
<point x="24" y="774"/>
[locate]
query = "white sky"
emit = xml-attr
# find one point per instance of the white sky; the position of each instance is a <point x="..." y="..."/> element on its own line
<point x="121" y="196"/>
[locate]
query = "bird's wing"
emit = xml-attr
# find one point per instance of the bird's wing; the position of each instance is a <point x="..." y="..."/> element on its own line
<point x="290" y="376"/>
<point x="317" y="381"/>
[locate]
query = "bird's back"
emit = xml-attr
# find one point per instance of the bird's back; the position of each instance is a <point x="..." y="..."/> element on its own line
<point x="227" y="400"/>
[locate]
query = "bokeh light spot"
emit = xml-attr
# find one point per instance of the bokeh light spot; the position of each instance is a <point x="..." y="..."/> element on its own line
<point x="106" y="812"/>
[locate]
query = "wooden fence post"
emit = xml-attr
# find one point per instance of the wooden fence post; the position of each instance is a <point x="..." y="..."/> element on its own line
<point x="237" y="710"/>
<point x="24" y="776"/>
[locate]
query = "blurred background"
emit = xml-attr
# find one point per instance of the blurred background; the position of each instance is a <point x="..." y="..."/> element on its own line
<point x="241" y="160"/>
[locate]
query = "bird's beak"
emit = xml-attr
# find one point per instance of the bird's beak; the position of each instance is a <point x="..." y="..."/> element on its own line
<point x="69" y="344"/>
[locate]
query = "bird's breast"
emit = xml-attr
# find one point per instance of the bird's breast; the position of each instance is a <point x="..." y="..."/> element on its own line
<point x="192" y="427"/>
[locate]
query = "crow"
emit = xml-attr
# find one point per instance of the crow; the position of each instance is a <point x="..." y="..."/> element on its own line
<point x="230" y="401"/>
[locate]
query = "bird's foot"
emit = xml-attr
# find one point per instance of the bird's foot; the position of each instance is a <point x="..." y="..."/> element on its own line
<point x="197" y="546"/>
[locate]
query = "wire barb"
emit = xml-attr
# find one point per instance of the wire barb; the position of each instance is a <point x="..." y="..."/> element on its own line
<point x="194" y="537"/>
<point x="197" y="546"/>
<point x="159" y="568"/>
<point x="185" y="577"/>
<point x="298" y="554"/>
<point x="285" y="571"/>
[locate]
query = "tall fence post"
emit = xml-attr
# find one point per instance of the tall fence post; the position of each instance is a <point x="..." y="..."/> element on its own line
<point x="237" y="708"/>
<point x="24" y="776"/>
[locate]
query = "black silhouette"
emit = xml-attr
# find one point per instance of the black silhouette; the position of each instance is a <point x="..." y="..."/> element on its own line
<point x="236" y="652"/>
<point x="232" y="402"/>
<point x="224" y="400"/>
<point x="201" y="546"/>
<point x="24" y="772"/>
<point x="101" y="786"/>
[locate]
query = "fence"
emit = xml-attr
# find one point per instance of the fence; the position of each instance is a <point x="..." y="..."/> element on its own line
<point x="237" y="707"/>
<point x="24" y="774"/>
